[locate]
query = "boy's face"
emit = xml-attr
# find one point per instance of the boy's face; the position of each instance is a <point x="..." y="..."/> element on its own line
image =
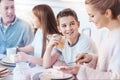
<point x="68" y="26"/>
<point x="7" y="11"/>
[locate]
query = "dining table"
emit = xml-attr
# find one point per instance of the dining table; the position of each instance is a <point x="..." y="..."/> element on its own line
<point x="35" y="70"/>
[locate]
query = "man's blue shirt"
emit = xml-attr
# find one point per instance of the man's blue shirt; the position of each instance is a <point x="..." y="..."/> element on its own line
<point x="18" y="33"/>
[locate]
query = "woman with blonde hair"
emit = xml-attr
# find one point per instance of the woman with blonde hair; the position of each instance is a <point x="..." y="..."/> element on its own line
<point x="106" y="65"/>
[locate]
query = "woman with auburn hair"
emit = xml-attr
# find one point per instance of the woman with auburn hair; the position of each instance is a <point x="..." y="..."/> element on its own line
<point x="45" y="20"/>
<point x="106" y="65"/>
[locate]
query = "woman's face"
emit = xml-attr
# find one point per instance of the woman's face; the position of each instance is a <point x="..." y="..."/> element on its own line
<point x="100" y="20"/>
<point x="68" y="26"/>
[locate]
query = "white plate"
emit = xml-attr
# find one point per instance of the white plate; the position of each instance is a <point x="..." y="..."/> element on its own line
<point x="2" y="56"/>
<point x="61" y="76"/>
<point x="7" y="60"/>
<point x="66" y="77"/>
<point x="8" y="64"/>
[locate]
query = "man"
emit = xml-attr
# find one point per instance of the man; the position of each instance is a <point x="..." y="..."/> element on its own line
<point x="13" y="31"/>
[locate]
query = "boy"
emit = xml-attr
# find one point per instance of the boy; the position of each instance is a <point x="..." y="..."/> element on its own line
<point x="75" y="43"/>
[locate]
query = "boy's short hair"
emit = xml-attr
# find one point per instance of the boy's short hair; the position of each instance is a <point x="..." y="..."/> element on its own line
<point x="67" y="12"/>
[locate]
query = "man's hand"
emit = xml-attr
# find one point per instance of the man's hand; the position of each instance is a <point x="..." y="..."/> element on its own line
<point x="4" y="72"/>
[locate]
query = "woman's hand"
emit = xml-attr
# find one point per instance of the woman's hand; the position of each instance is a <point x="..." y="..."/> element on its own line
<point x="4" y="72"/>
<point x="21" y="56"/>
<point x="83" y="58"/>
<point x="70" y="69"/>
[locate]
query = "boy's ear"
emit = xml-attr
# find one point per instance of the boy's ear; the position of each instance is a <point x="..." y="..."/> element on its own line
<point x="78" y="24"/>
<point x="108" y="13"/>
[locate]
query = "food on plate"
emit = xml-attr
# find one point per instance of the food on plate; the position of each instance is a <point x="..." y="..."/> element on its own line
<point x="54" y="74"/>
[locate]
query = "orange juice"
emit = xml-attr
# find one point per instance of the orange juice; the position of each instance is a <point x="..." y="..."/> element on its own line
<point x="60" y="45"/>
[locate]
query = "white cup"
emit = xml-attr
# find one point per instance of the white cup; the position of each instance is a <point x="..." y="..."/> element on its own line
<point x="11" y="53"/>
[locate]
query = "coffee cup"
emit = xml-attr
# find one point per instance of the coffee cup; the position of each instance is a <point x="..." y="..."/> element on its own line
<point x="11" y="53"/>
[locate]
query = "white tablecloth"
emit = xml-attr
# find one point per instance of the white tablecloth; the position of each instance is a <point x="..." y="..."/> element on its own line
<point x="34" y="71"/>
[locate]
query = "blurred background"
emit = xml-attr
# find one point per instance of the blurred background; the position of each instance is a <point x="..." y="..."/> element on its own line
<point x="24" y="7"/>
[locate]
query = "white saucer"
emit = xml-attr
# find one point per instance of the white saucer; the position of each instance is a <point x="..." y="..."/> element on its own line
<point x="7" y="60"/>
<point x="2" y="56"/>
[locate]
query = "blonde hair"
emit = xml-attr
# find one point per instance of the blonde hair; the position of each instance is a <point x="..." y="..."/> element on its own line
<point x="103" y="5"/>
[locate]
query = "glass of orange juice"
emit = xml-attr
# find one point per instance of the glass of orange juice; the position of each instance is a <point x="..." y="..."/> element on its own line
<point x="60" y="45"/>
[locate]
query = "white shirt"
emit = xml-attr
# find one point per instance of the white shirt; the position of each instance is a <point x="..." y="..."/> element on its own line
<point x="37" y="43"/>
<point x="108" y="63"/>
<point x="83" y="45"/>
